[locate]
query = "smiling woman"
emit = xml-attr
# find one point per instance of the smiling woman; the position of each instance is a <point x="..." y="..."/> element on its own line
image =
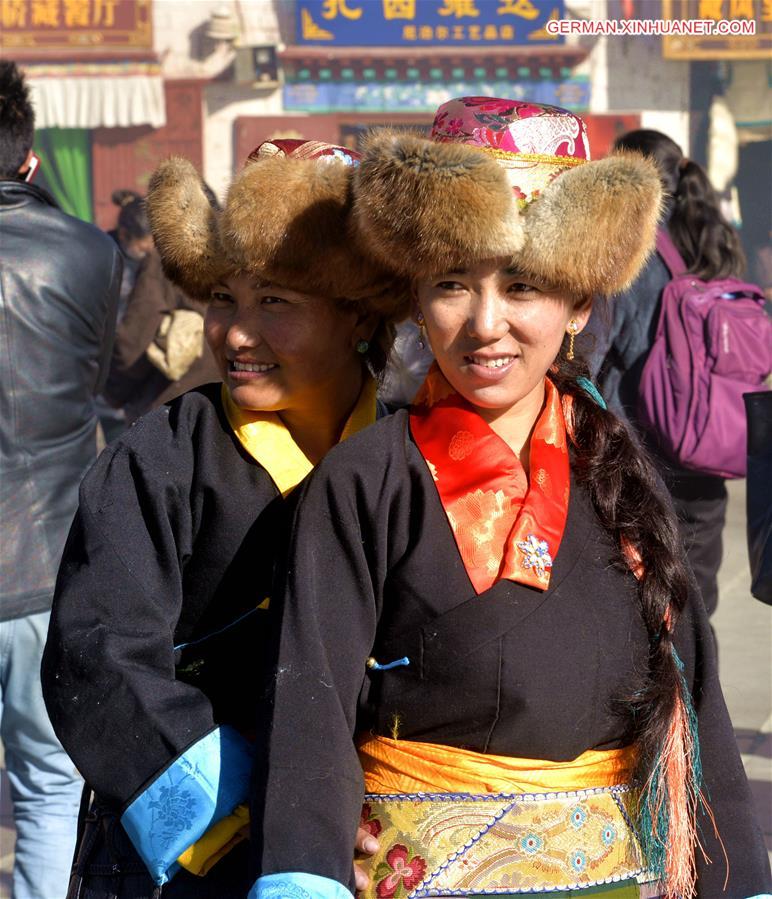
<point x="494" y="334"/>
<point x="156" y="649"/>
<point x="292" y="353"/>
<point x="489" y="649"/>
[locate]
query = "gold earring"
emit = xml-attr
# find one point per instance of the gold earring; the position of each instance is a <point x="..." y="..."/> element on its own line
<point x="572" y="329"/>
<point x="421" y="321"/>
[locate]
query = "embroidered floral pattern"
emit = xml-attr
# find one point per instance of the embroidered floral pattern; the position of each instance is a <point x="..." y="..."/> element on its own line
<point x="537" y="554"/>
<point x="578" y="817"/>
<point x="531" y="843"/>
<point x="608" y="835"/>
<point x="508" y="125"/>
<point x="284" y="889"/>
<point x="475" y="845"/>
<point x="399" y="873"/>
<point x="173" y="811"/>
<point x="461" y="445"/>
<point x="544" y="481"/>
<point x="372" y="825"/>
<point x="479" y="520"/>
<point x="578" y="861"/>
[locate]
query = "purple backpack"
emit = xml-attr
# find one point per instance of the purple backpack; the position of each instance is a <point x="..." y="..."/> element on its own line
<point x="713" y="344"/>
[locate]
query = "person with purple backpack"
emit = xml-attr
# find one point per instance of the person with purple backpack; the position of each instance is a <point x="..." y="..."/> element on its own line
<point x="636" y="359"/>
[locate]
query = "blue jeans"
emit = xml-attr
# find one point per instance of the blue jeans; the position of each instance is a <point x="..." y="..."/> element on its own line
<point x="45" y="787"/>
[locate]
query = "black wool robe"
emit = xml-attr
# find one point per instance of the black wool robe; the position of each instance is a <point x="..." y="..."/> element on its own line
<point x="174" y="541"/>
<point x="373" y="570"/>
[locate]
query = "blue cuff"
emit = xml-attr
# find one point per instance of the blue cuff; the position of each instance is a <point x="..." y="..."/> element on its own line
<point x="199" y="788"/>
<point x="297" y="886"/>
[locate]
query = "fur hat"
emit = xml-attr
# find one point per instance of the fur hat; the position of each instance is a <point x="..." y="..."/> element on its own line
<point x="507" y="178"/>
<point x="286" y="220"/>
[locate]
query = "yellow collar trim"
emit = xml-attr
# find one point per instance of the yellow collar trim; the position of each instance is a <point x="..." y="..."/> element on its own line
<point x="268" y="441"/>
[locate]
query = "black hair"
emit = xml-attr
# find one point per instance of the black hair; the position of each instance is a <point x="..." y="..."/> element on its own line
<point x="17" y="121"/>
<point x="708" y="244"/>
<point x="631" y="505"/>
<point x="132" y="218"/>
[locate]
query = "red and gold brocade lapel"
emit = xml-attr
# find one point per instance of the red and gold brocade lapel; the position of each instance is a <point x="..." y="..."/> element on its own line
<point x="504" y="527"/>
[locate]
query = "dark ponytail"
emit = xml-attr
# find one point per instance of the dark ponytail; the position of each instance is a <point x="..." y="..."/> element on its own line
<point x="708" y="244"/>
<point x="628" y="499"/>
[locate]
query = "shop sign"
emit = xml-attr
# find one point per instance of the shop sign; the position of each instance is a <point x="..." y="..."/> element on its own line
<point x="717" y="14"/>
<point x="29" y="26"/>
<point x="573" y="93"/>
<point x="399" y="23"/>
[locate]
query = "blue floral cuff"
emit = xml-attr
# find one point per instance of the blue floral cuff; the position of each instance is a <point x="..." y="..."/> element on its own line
<point x="199" y="788"/>
<point x="297" y="885"/>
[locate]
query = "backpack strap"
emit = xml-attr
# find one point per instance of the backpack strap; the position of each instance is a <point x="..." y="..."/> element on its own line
<point x="669" y="253"/>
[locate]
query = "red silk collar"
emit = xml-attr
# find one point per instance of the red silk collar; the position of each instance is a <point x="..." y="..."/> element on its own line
<point x="504" y="527"/>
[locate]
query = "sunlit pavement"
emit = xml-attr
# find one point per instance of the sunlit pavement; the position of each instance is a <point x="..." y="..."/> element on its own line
<point x="744" y="629"/>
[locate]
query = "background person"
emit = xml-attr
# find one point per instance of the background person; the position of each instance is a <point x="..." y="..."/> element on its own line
<point x="133" y="235"/>
<point x="59" y="284"/>
<point x="711" y="249"/>
<point x="158" y="354"/>
<point x="161" y="597"/>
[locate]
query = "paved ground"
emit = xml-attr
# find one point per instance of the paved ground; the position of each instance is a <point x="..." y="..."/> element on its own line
<point x="744" y="629"/>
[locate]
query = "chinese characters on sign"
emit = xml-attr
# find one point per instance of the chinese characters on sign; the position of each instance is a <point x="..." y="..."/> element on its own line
<point x="426" y="22"/>
<point x="720" y="46"/>
<point x="29" y="25"/>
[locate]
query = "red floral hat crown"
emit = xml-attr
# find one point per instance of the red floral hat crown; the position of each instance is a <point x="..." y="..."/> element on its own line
<point x="533" y="142"/>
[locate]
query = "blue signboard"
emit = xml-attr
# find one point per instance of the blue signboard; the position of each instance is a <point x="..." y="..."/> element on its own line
<point x="449" y="23"/>
<point x="573" y="93"/>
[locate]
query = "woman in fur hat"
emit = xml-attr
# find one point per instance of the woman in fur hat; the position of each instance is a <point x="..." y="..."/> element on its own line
<point x="484" y="604"/>
<point x="156" y="642"/>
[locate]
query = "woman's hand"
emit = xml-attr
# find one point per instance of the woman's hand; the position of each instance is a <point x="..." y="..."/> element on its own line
<point x="366" y="845"/>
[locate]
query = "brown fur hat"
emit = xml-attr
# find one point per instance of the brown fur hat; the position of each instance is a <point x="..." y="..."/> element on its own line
<point x="427" y="207"/>
<point x="285" y="220"/>
<point x="185" y="228"/>
<point x="592" y="230"/>
<point x="423" y="207"/>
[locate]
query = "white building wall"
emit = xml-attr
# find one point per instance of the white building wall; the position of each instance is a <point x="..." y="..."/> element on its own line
<point x="224" y="104"/>
<point x="630" y="75"/>
<point x="185" y="51"/>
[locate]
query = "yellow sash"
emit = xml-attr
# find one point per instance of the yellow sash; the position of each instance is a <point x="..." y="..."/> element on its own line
<point x="454" y="822"/>
<point x="403" y="766"/>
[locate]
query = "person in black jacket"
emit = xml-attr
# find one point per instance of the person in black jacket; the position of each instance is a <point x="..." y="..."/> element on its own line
<point x="157" y="637"/>
<point x="59" y="285"/>
<point x="488" y="647"/>
<point x="624" y="333"/>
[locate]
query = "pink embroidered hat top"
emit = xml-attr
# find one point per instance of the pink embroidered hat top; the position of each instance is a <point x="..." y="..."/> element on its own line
<point x="533" y="142"/>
